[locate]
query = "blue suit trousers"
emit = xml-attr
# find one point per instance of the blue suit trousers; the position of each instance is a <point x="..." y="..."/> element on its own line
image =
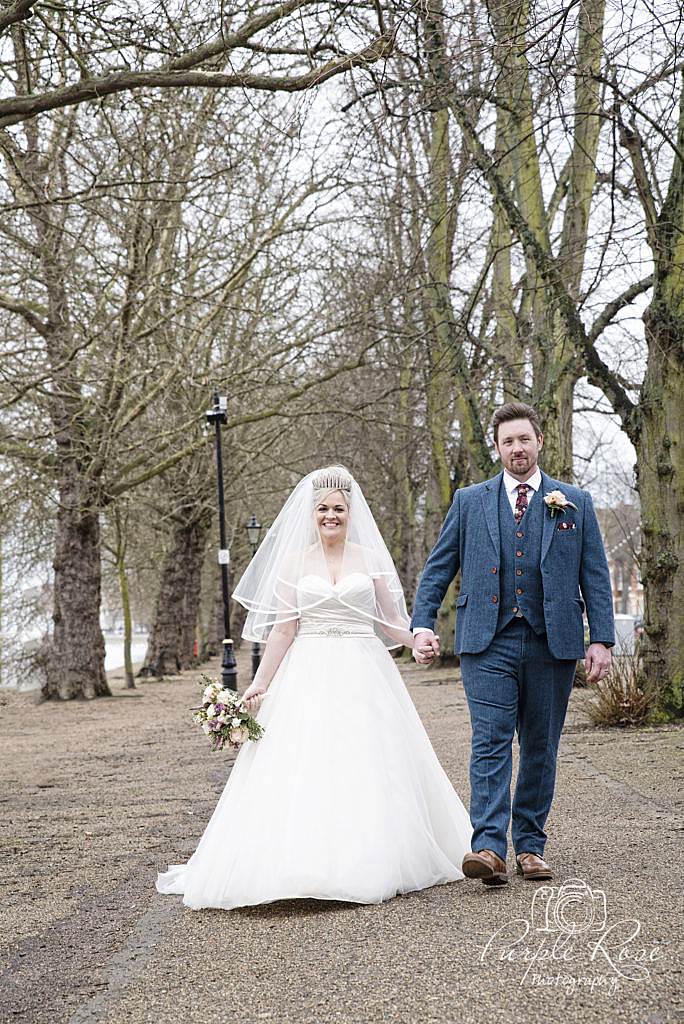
<point x="515" y="685"/>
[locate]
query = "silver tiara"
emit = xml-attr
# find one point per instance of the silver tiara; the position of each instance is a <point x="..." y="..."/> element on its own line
<point x="331" y="480"/>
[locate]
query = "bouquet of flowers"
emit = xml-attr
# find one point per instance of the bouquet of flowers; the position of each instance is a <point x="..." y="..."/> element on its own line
<point x="223" y="717"/>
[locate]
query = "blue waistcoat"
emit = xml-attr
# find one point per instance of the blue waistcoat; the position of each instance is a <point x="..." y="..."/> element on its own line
<point x="520" y="565"/>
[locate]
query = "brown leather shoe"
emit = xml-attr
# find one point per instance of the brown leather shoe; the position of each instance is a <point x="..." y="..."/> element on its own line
<point x="485" y="865"/>
<point x="532" y="867"/>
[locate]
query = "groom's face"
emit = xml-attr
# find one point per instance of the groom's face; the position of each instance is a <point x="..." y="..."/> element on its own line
<point x="518" y="447"/>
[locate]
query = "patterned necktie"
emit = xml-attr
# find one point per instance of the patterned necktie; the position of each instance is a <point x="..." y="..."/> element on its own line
<point x="521" y="502"/>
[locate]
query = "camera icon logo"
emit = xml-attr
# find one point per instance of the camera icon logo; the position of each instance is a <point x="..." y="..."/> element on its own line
<point x="572" y="907"/>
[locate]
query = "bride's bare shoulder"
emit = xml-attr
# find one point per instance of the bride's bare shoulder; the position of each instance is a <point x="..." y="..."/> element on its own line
<point x="295" y="561"/>
<point x="365" y="558"/>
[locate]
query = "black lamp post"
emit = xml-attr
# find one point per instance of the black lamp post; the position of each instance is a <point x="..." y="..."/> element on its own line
<point x="218" y="416"/>
<point x="253" y="528"/>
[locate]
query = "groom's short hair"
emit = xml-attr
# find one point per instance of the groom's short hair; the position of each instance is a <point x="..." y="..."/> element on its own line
<point x="515" y="411"/>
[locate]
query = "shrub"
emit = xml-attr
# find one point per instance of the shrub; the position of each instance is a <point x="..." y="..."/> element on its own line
<point x="621" y="699"/>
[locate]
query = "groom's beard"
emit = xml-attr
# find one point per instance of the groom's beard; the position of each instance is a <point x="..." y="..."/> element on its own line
<point x="520" y="467"/>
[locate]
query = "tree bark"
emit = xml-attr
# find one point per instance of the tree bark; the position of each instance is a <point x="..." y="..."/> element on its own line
<point x="171" y="642"/>
<point x="660" y="479"/>
<point x="122" y="576"/>
<point x="75" y="657"/>
<point x="509" y="347"/>
<point x="660" y="464"/>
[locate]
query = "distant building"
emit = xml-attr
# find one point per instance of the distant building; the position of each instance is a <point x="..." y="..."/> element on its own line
<point x="621" y="528"/>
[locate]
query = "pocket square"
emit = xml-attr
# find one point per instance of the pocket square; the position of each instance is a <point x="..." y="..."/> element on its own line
<point x="567" y="526"/>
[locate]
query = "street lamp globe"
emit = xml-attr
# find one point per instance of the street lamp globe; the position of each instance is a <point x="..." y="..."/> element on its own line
<point x="253" y="527"/>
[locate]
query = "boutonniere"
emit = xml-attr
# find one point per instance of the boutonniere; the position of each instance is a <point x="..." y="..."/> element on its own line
<point x="556" y="502"/>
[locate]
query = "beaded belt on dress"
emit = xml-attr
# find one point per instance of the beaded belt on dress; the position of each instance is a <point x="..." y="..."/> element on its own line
<point x="333" y="631"/>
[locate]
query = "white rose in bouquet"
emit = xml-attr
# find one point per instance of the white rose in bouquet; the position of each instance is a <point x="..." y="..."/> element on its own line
<point x="206" y="728"/>
<point x="209" y="692"/>
<point x="211" y="711"/>
<point x="224" y="697"/>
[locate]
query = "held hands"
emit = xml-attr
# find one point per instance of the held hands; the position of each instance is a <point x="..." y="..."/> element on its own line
<point x="252" y="698"/>
<point x="597" y="662"/>
<point x="426" y="646"/>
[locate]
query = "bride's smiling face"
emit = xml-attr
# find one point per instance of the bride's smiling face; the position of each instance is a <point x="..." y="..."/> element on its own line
<point x="332" y="516"/>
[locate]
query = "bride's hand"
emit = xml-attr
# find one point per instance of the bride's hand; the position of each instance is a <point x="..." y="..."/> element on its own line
<point x="252" y="698"/>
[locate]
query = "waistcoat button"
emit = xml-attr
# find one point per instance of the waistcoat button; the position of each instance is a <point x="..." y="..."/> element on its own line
<point x="495" y="599"/>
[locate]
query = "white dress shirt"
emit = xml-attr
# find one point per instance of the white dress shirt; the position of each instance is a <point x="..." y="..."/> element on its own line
<point x="511" y="485"/>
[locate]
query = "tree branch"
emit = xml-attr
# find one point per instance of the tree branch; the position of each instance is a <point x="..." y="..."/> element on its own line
<point x="30" y="313"/>
<point x="255" y="417"/>
<point x="19" y="11"/>
<point x="613" y="308"/>
<point x="22" y="108"/>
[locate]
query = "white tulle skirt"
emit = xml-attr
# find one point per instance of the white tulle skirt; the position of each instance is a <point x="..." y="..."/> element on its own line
<point x="343" y="797"/>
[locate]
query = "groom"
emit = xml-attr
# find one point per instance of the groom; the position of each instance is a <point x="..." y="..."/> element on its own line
<point x="526" y="545"/>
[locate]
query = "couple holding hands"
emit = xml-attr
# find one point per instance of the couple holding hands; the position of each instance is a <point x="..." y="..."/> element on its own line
<point x="343" y="798"/>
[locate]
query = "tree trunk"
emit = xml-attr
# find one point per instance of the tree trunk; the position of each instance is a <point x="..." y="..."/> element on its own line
<point x="553" y="354"/>
<point x="574" y="237"/>
<point x="238" y="615"/>
<point x="76" y="651"/>
<point x="660" y="476"/>
<point x="404" y="535"/>
<point x="214" y="630"/>
<point x="122" y="576"/>
<point x="509" y="349"/>
<point x="660" y="469"/>
<point x="660" y="439"/>
<point x="172" y="637"/>
<point x="450" y="384"/>
<point x="128" y="625"/>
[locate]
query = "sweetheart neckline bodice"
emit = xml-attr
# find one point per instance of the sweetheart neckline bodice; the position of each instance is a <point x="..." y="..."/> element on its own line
<point x="317" y="576"/>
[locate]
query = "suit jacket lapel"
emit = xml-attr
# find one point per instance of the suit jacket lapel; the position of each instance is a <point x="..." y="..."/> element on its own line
<point x="490" y="502"/>
<point x="547" y="485"/>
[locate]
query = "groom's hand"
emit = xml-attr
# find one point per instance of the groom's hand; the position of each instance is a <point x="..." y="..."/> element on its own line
<point x="426" y="646"/>
<point x="597" y="662"/>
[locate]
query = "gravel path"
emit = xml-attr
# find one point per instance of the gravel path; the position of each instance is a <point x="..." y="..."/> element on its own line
<point x="97" y="797"/>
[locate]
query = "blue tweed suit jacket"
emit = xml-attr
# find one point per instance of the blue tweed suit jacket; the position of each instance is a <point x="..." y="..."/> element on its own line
<point x="573" y="566"/>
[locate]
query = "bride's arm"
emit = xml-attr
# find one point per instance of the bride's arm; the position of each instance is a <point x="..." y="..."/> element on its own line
<point x="396" y="627"/>
<point x="279" y="640"/>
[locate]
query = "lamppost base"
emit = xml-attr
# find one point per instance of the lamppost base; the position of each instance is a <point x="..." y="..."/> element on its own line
<point x="228" y="666"/>
<point x="256" y="658"/>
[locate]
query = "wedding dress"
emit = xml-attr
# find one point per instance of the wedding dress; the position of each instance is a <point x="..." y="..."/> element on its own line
<point x="343" y="797"/>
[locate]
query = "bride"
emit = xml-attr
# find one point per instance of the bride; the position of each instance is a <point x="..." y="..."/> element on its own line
<point x="343" y="797"/>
